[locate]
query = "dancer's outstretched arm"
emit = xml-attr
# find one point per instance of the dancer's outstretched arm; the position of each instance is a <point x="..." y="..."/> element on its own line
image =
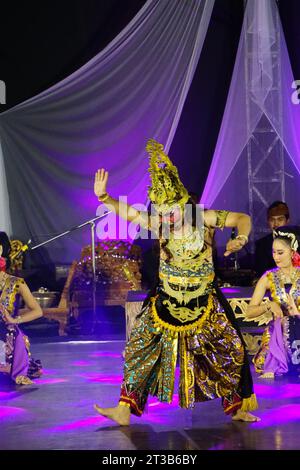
<point x="124" y="210"/>
<point x="238" y="220"/>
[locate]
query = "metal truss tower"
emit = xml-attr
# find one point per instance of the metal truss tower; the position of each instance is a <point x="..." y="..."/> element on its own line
<point x="264" y="150"/>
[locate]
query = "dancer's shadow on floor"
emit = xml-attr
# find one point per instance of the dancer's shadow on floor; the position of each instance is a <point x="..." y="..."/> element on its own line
<point x="145" y="437"/>
<point x="234" y="435"/>
<point x="230" y="436"/>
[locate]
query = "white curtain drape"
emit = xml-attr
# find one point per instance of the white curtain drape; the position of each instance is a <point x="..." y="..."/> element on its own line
<point x="101" y="116"/>
<point x="227" y="182"/>
<point x="5" y="221"/>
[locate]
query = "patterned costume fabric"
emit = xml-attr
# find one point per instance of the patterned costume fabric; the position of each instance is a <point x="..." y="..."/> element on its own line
<point x="18" y="362"/>
<point x="280" y="348"/>
<point x="185" y="320"/>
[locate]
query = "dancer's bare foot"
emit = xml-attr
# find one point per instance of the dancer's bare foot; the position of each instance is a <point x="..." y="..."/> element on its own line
<point x="267" y="375"/>
<point x="23" y="380"/>
<point x="245" y="416"/>
<point x="120" y="414"/>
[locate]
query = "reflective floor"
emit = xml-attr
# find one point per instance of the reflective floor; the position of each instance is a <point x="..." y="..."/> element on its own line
<point x="57" y="411"/>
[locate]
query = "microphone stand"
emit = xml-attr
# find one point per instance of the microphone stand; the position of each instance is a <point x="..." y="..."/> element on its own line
<point x="90" y="222"/>
<point x="235" y="256"/>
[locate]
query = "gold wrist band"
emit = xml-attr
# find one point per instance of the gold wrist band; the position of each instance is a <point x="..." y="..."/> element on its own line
<point x="269" y="310"/>
<point x="244" y="237"/>
<point x="103" y="197"/>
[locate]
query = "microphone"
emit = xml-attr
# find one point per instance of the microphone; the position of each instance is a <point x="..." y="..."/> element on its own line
<point x="234" y="255"/>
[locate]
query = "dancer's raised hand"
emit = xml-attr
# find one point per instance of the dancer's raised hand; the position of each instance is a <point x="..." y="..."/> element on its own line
<point x="100" y="184"/>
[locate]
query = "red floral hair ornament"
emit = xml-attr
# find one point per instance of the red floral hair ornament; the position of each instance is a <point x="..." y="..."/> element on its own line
<point x="2" y="263"/>
<point x="296" y="259"/>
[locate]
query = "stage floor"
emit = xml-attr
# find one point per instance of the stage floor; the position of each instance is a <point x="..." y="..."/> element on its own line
<point x="57" y="411"/>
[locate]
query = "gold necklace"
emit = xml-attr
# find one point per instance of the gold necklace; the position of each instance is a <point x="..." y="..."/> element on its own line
<point x="292" y="280"/>
<point x="288" y="278"/>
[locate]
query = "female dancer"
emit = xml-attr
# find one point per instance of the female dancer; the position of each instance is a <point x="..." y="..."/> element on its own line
<point x="18" y="363"/>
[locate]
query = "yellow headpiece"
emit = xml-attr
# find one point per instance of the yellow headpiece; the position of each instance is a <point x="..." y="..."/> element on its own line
<point x="166" y="189"/>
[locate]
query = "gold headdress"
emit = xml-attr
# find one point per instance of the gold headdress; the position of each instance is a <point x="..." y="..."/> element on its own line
<point x="166" y="189"/>
<point x="291" y="236"/>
